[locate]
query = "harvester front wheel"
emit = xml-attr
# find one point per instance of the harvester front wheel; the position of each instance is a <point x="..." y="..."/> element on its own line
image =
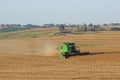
<point x="62" y="56"/>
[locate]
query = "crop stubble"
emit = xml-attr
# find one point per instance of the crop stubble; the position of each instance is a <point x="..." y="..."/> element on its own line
<point x="29" y="59"/>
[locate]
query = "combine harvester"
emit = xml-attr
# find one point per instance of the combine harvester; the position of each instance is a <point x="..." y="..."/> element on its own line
<point x="69" y="49"/>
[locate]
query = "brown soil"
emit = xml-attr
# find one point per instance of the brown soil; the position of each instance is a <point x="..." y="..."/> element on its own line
<point x="37" y="58"/>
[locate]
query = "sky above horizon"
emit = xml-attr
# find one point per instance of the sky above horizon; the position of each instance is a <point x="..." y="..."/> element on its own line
<point x="59" y="11"/>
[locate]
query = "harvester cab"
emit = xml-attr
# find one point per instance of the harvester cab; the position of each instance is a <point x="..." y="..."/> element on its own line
<point x="68" y="49"/>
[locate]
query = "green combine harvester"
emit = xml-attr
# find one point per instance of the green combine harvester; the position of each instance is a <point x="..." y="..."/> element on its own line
<point x="69" y="49"/>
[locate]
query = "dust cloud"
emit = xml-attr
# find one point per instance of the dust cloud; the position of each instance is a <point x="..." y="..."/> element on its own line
<point x="24" y="47"/>
<point x="47" y="49"/>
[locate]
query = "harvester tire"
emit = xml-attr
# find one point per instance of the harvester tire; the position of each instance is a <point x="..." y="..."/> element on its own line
<point x="62" y="56"/>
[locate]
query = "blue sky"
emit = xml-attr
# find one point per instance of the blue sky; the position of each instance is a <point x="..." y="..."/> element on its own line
<point x="59" y="11"/>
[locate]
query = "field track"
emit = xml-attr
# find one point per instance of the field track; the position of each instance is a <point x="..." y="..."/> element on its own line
<point x="30" y="59"/>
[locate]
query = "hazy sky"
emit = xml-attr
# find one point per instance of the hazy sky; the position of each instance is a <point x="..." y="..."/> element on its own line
<point x="59" y="11"/>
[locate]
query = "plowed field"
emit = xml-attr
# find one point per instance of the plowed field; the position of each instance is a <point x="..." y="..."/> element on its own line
<point x="38" y="58"/>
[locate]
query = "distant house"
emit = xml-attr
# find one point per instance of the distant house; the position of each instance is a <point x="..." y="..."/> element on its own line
<point x="49" y="25"/>
<point x="3" y="26"/>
